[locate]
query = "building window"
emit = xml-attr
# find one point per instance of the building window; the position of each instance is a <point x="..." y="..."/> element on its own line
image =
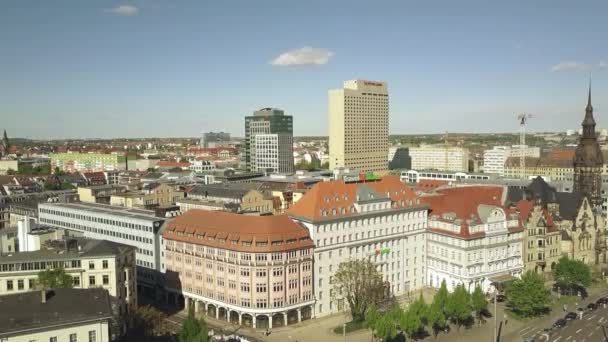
<point x="9" y="285"/>
<point x="92" y="336"/>
<point x="53" y="339"/>
<point x="73" y="338"/>
<point x="76" y="281"/>
<point x="31" y="283"/>
<point x="91" y="265"/>
<point x="106" y="279"/>
<point x="104" y="264"/>
<point x="91" y="280"/>
<point x="20" y="284"/>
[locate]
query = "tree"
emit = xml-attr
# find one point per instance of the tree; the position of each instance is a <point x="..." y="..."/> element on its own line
<point x="360" y="284"/>
<point x="528" y="296"/>
<point x="371" y="318"/>
<point x="148" y="320"/>
<point x="385" y="327"/>
<point x="478" y="302"/>
<point x="436" y="318"/>
<point x="411" y="324"/>
<point x="442" y="296"/>
<point x="569" y="272"/>
<point x="55" y="278"/>
<point x="458" y="307"/>
<point x="193" y="329"/>
<point x="420" y="309"/>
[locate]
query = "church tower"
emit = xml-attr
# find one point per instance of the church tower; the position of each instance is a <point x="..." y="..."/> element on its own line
<point x="588" y="160"/>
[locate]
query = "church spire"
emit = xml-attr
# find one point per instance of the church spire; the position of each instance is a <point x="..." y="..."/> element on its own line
<point x="589" y="106"/>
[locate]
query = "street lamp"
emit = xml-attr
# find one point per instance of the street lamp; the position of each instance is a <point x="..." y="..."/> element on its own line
<point x="495" y="315"/>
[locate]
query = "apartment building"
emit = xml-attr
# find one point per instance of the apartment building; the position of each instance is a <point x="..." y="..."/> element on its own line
<point x="60" y="315"/>
<point x="133" y="227"/>
<point x="414" y="176"/>
<point x="440" y="158"/>
<point x="87" y="162"/>
<point x="358" y="126"/>
<point x="91" y="263"/>
<point x="251" y="270"/>
<point x="381" y="220"/>
<point x="494" y="160"/>
<point x="474" y="239"/>
<point x="269" y="141"/>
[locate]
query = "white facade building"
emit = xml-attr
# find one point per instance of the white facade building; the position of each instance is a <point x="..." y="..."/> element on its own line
<point x="440" y="157"/>
<point x="413" y="176"/>
<point x="134" y="227"/>
<point x="200" y="166"/>
<point x="358" y="126"/>
<point x="494" y="159"/>
<point x="473" y="239"/>
<point x="381" y="220"/>
<point x="273" y="151"/>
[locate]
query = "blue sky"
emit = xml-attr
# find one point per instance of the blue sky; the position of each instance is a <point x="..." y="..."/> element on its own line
<point x="177" y="68"/>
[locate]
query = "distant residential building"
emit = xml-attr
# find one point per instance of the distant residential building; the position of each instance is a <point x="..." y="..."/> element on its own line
<point x="99" y="193"/>
<point x="7" y="165"/>
<point x="440" y="158"/>
<point x="248" y="198"/>
<point x="248" y="270"/>
<point x="134" y="227"/>
<point x="95" y="178"/>
<point x="399" y="158"/>
<point x="141" y="164"/>
<point x="80" y="162"/>
<point x="358" y="126"/>
<point x="269" y="141"/>
<point x="230" y="176"/>
<point x="200" y="166"/>
<point x="168" y="165"/>
<point x="381" y="220"/>
<point x="416" y="176"/>
<point x="91" y="263"/>
<point x="160" y="194"/>
<point x="474" y="238"/>
<point x="186" y="204"/>
<point x="494" y="160"/>
<point x="60" y="315"/>
<point x="214" y="139"/>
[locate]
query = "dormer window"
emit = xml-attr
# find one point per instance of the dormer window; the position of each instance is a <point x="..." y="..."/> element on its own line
<point x="345" y="197"/>
<point x="333" y="211"/>
<point x="337" y="198"/>
<point x="343" y="211"/>
<point x="323" y="212"/>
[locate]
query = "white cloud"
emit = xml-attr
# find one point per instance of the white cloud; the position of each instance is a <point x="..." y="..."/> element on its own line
<point x="124" y="10"/>
<point x="570" y="66"/>
<point x="303" y="56"/>
<point x="576" y="66"/>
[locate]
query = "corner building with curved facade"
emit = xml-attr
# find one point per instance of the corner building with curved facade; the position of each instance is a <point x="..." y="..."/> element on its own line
<point x="251" y="270"/>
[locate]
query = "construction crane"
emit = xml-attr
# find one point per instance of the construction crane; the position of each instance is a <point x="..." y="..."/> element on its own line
<point x="523" y="120"/>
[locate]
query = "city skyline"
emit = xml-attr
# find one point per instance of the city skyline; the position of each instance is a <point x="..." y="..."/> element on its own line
<point x="468" y="68"/>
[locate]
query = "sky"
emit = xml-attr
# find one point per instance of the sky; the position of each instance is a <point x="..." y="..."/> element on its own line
<point x="160" y="68"/>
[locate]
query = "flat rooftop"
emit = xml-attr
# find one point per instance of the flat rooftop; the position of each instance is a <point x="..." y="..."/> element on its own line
<point x="141" y="214"/>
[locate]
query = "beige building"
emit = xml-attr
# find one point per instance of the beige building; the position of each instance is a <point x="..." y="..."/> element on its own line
<point x="6" y="165"/>
<point x="358" y="126"/>
<point x="98" y="193"/>
<point x="91" y="263"/>
<point x="152" y="195"/>
<point x="440" y="157"/>
<point x="57" y="315"/>
<point x="251" y="270"/>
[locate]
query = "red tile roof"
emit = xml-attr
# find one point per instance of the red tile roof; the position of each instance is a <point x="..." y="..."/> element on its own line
<point x="430" y="184"/>
<point x="229" y="231"/>
<point x="339" y="195"/>
<point x="166" y="163"/>
<point x="464" y="200"/>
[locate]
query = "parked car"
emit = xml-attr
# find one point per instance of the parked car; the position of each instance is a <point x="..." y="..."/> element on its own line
<point x="570" y="316"/>
<point x="560" y="323"/>
<point x="591" y="306"/>
<point x="602" y="301"/>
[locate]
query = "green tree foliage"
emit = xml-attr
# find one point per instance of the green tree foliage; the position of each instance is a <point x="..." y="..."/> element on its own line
<point x="27" y="169"/>
<point x="148" y="320"/>
<point x="371" y="317"/>
<point x="442" y="296"/>
<point x="55" y="278"/>
<point x="360" y="284"/>
<point x="528" y="296"/>
<point x="314" y="165"/>
<point x="569" y="272"/>
<point x="478" y="302"/>
<point x="385" y="328"/>
<point x="458" y="307"/>
<point x="411" y="324"/>
<point x="420" y="309"/>
<point x="193" y="329"/>
<point x="436" y="318"/>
